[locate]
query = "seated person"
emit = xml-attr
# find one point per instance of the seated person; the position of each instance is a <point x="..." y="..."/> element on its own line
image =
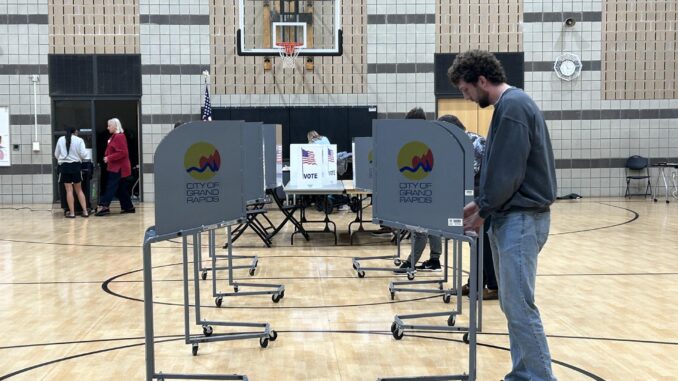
<point x="315" y="138"/>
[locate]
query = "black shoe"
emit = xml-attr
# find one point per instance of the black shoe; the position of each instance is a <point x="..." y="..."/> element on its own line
<point x="382" y="232"/>
<point x="133" y="210"/>
<point x="430" y="265"/>
<point x="102" y="212"/>
<point x="403" y="269"/>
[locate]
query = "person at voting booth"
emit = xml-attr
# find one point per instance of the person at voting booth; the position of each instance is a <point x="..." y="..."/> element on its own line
<point x="119" y="168"/>
<point x="315" y="138"/>
<point x="517" y="187"/>
<point x="490" y="287"/>
<point x="419" y="239"/>
<point x="70" y="151"/>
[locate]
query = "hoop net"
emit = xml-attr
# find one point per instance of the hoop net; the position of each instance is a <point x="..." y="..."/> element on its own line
<point x="288" y="53"/>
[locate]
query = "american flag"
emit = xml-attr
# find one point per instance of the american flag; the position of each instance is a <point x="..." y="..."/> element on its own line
<point x="207" y="109"/>
<point x="307" y="157"/>
<point x="330" y="156"/>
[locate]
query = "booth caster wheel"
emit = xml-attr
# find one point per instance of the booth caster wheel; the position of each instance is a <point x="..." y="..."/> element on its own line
<point x="218" y="301"/>
<point x="361" y="274"/>
<point x="655" y="200"/>
<point x="207" y="330"/>
<point x="398" y="334"/>
<point x="410" y="276"/>
<point x="203" y="275"/>
<point x="451" y="321"/>
<point x="447" y="298"/>
<point x="392" y="295"/>
<point x="465" y="338"/>
<point x="394" y="326"/>
<point x="355" y="267"/>
<point x="276" y="297"/>
<point x="252" y="271"/>
<point x="194" y="350"/>
<point x="273" y="335"/>
<point x="397" y="262"/>
<point x="440" y="286"/>
<point x="263" y="342"/>
<point x="236" y="288"/>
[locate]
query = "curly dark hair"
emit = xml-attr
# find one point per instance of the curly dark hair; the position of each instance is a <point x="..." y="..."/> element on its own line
<point x="468" y="66"/>
<point x="416" y="113"/>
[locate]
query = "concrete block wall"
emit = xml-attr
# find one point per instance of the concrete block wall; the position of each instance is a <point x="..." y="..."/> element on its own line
<point x="591" y="136"/>
<point x="24" y="45"/>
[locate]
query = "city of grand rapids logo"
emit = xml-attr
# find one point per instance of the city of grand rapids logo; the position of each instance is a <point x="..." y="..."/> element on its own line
<point x="202" y="161"/>
<point x="415" y="160"/>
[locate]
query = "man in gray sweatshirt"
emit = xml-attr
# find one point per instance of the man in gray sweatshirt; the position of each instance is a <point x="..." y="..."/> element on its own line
<point x="517" y="186"/>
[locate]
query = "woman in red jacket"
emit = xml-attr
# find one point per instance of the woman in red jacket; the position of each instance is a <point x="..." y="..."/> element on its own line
<point x="119" y="168"/>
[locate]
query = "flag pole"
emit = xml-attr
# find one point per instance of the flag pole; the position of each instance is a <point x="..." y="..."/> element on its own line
<point x="207" y="105"/>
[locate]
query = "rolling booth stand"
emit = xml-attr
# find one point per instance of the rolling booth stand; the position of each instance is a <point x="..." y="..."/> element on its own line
<point x="256" y="208"/>
<point x="198" y="188"/>
<point x="423" y="179"/>
<point x="362" y="182"/>
<point x="254" y="194"/>
<point x="363" y="178"/>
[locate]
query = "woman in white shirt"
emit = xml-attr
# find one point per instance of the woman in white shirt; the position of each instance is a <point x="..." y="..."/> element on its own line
<point x="70" y="151"/>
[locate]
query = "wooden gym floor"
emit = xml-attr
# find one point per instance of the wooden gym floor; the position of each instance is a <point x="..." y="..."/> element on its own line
<point x="71" y="290"/>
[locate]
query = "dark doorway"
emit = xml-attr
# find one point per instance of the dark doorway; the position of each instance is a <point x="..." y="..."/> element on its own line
<point x="89" y="89"/>
<point x="127" y="111"/>
<point x="91" y="117"/>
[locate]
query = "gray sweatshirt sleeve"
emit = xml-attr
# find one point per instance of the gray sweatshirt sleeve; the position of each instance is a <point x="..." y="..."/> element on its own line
<point x="505" y="164"/>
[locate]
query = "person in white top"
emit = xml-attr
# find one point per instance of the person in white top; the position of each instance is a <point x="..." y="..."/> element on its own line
<point x="70" y="151"/>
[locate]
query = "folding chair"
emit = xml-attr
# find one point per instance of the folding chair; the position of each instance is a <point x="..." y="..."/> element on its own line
<point x="638" y="168"/>
<point x="254" y="211"/>
<point x="278" y="195"/>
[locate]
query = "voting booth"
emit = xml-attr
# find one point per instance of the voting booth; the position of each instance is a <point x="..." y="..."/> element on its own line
<point x="200" y="176"/>
<point x="313" y="165"/>
<point x="253" y="163"/>
<point x="273" y="155"/>
<point x="423" y="178"/>
<point x="363" y="168"/>
<point x="423" y="175"/>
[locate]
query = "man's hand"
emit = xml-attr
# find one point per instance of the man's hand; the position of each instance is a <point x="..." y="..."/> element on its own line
<point x="472" y="219"/>
<point x="105" y="159"/>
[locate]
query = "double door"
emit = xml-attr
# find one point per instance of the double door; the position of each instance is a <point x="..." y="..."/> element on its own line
<point x="90" y="117"/>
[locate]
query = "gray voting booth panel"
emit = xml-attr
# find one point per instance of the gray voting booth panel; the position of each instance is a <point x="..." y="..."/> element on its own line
<point x="198" y="176"/>
<point x="362" y="159"/>
<point x="253" y="166"/>
<point x="423" y="175"/>
<point x="272" y="144"/>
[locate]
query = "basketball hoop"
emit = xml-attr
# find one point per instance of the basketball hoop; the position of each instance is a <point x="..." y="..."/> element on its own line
<point x="289" y="51"/>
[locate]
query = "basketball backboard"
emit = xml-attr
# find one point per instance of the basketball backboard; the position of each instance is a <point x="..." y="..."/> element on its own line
<point x="312" y="27"/>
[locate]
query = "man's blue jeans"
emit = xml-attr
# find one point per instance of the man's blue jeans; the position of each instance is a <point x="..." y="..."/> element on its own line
<point x="516" y="239"/>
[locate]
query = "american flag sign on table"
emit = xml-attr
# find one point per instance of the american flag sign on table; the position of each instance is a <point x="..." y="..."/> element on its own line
<point x="330" y="156"/>
<point x="207" y="109"/>
<point x="307" y="157"/>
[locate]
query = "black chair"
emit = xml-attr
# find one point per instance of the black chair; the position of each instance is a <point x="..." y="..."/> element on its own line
<point x="279" y="196"/>
<point x="638" y="168"/>
<point x="254" y="211"/>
